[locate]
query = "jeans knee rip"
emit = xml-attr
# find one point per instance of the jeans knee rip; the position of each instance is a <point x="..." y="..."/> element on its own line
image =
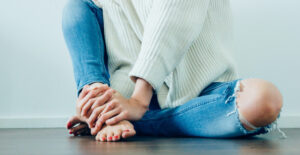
<point x="266" y="129"/>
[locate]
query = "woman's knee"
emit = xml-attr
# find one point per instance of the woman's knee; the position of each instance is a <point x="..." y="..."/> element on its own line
<point x="259" y="101"/>
<point x="73" y="11"/>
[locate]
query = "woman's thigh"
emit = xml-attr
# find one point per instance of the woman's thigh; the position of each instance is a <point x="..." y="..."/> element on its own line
<point x="212" y="114"/>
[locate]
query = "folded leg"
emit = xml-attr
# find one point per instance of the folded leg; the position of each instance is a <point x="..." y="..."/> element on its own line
<point x="213" y="114"/>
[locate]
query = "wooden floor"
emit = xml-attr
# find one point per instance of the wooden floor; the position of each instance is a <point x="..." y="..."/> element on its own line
<point x="57" y="141"/>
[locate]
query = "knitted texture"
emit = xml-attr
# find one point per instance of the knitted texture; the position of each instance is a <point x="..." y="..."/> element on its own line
<point x="178" y="46"/>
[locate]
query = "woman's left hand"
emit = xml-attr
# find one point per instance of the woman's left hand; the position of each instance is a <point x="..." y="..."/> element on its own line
<point x="117" y="109"/>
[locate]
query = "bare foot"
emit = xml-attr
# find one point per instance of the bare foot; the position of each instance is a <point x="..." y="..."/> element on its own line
<point x="78" y="126"/>
<point x="123" y="129"/>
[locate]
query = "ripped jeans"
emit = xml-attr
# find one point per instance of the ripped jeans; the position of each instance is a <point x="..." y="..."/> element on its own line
<point x="212" y="114"/>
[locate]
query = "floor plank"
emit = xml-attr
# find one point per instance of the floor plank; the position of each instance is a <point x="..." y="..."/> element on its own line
<point x="57" y="141"/>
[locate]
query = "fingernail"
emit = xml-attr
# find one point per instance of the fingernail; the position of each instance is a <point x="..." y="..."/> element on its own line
<point x="126" y="130"/>
<point x="110" y="138"/>
<point x="70" y="132"/>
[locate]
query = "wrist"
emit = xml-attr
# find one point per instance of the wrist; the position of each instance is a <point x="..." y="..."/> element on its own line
<point x="143" y="92"/>
<point x="142" y="104"/>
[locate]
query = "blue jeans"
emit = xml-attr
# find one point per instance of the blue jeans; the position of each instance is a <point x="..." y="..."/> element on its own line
<point x="212" y="114"/>
<point x="83" y="30"/>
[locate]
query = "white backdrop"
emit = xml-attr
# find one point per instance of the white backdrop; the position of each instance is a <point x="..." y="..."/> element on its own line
<point x="37" y="88"/>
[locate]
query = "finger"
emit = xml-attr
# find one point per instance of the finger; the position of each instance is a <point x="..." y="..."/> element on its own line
<point x="87" y="106"/>
<point x="94" y="131"/>
<point x="102" y="99"/>
<point x="91" y="94"/>
<point x="101" y="121"/>
<point x="107" y="116"/>
<point x="77" y="128"/>
<point x="83" y="92"/>
<point x="109" y="106"/>
<point x="94" y="116"/>
<point x="116" y="119"/>
<point x="72" y="121"/>
<point x="101" y="87"/>
<point x="90" y="113"/>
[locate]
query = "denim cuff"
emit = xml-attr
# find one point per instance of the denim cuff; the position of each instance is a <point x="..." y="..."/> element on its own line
<point x="89" y="80"/>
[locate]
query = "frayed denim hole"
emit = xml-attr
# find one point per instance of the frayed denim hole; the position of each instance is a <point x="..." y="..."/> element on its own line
<point x="238" y="121"/>
<point x="260" y="130"/>
<point x="274" y="126"/>
<point x="242" y="128"/>
<point x="231" y="93"/>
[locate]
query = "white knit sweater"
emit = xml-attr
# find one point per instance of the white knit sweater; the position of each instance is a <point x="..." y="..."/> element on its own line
<point x="178" y="46"/>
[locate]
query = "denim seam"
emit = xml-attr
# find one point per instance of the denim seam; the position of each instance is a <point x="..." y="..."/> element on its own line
<point x="92" y="79"/>
<point x="184" y="110"/>
<point x="205" y="91"/>
<point x="92" y="4"/>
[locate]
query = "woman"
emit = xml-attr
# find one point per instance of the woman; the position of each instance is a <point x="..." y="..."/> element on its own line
<point x="165" y="68"/>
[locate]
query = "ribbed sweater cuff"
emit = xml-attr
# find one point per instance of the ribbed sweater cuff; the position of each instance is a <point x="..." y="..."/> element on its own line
<point x="152" y="70"/>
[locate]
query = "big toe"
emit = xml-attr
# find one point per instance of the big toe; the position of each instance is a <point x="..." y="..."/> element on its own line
<point x="72" y="121"/>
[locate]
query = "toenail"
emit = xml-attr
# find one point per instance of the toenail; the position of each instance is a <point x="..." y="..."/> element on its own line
<point x="103" y="138"/>
<point x="110" y="138"/>
<point x="116" y="137"/>
<point x="69" y="125"/>
<point x="70" y="132"/>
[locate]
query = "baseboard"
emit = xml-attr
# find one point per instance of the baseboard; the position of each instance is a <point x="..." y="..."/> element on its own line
<point x="34" y="122"/>
<point x="289" y="121"/>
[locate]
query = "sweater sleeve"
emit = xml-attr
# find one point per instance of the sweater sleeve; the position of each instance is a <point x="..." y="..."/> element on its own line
<point x="170" y="30"/>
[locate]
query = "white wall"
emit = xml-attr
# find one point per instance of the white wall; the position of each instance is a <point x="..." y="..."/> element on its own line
<point x="36" y="80"/>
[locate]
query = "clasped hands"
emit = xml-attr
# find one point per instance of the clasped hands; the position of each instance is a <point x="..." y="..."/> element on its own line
<point x="98" y="104"/>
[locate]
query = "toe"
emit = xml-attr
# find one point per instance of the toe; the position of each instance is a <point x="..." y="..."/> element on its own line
<point x="128" y="133"/>
<point x="102" y="137"/>
<point x="98" y="136"/>
<point x="109" y="136"/>
<point x="72" y="121"/>
<point x="117" y="135"/>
